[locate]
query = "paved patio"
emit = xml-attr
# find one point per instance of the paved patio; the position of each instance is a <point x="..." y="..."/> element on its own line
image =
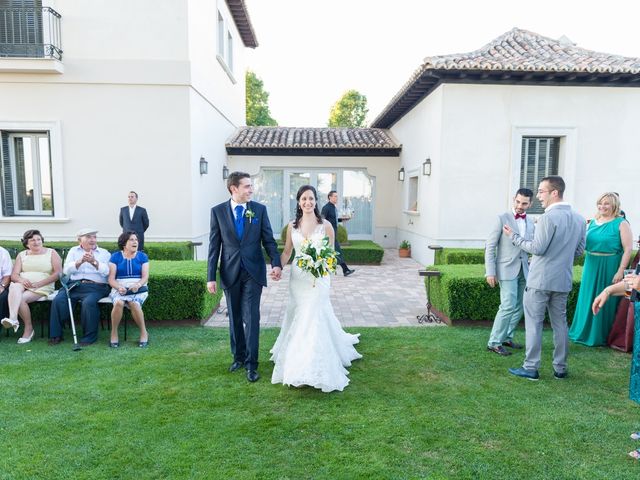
<point x="389" y="295"/>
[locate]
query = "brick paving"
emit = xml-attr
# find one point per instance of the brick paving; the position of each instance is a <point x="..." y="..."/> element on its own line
<point x="391" y="294"/>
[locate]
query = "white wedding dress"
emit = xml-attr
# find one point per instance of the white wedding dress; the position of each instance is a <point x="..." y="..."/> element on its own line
<point x="312" y="349"/>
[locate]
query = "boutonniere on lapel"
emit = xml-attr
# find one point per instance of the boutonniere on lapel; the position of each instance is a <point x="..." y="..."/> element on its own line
<point x="250" y="215"/>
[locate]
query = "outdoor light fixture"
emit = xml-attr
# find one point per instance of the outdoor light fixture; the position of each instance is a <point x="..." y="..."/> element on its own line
<point x="426" y="167"/>
<point x="401" y="174"/>
<point x="225" y="172"/>
<point x="204" y="166"/>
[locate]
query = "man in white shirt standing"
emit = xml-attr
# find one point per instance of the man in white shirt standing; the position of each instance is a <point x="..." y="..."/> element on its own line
<point x="5" y="279"/>
<point x="88" y="266"/>
<point x="507" y="265"/>
<point x="134" y="218"/>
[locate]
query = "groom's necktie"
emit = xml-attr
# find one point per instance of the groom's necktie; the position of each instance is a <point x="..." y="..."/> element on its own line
<point x="239" y="221"/>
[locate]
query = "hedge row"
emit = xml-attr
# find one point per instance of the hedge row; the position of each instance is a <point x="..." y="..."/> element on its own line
<point x="357" y="252"/>
<point x="475" y="256"/>
<point x="177" y="291"/>
<point x="156" y="250"/>
<point x="462" y="293"/>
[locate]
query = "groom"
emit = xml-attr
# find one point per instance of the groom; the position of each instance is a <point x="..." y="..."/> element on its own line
<point x="239" y="230"/>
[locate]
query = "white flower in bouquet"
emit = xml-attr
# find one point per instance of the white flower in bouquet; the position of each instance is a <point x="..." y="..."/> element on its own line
<point x="317" y="257"/>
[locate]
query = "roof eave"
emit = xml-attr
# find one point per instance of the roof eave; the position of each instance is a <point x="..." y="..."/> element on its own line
<point x="430" y="79"/>
<point x="315" y="152"/>
<point x="241" y="18"/>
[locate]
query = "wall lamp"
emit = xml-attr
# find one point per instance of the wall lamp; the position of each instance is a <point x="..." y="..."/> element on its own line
<point x="426" y="167"/>
<point x="204" y="166"/>
<point x="401" y="174"/>
<point x="225" y="172"/>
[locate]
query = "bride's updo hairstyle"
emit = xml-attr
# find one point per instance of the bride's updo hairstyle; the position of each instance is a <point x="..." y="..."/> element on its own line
<point x="301" y="190"/>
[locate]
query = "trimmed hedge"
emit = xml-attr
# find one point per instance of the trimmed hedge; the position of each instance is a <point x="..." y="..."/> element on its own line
<point x="357" y="252"/>
<point x="462" y="293"/>
<point x="474" y="256"/>
<point x="177" y="291"/>
<point x="175" y="251"/>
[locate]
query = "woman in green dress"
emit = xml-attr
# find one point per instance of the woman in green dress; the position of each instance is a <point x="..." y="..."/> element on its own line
<point x="634" y="381"/>
<point x="607" y="253"/>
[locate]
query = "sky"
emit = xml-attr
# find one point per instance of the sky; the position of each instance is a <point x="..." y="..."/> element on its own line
<point x="312" y="51"/>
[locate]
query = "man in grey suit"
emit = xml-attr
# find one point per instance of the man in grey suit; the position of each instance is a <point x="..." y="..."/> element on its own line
<point x="134" y="218"/>
<point x="507" y="265"/>
<point x="559" y="238"/>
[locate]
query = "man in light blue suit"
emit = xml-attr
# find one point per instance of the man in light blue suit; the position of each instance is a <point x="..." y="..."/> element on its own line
<point x="559" y="238"/>
<point x="508" y="265"/>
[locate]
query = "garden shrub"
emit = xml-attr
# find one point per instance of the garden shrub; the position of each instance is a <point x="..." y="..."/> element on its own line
<point x="177" y="291"/>
<point x="462" y="293"/>
<point x="473" y="256"/>
<point x="156" y="250"/>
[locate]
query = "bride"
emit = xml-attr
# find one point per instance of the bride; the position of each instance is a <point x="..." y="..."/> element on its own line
<point x="312" y="349"/>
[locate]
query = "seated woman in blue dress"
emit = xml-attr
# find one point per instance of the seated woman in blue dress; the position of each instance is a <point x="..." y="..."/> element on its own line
<point x="629" y="282"/>
<point x="128" y="277"/>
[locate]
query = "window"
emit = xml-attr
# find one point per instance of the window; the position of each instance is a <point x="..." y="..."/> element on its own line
<point x="277" y="189"/>
<point x="26" y="174"/>
<point x="412" y="199"/>
<point x="229" y="58"/>
<point x="220" y="35"/>
<point x="539" y="159"/>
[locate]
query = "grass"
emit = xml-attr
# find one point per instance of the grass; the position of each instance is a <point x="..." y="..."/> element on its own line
<point x="423" y="403"/>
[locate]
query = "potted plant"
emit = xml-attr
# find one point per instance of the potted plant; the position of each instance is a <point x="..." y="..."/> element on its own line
<point x="404" y="250"/>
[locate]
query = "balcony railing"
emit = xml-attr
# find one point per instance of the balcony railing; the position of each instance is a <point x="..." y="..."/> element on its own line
<point x="30" y="32"/>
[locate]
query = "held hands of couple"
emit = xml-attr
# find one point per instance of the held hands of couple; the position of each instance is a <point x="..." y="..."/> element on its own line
<point x="276" y="274"/>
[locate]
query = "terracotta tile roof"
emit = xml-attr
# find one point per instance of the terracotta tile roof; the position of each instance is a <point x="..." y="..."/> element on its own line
<point x="312" y="141"/>
<point x="523" y="50"/>
<point x="241" y="18"/>
<point x="518" y="56"/>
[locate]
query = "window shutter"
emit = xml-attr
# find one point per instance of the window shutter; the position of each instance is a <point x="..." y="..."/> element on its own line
<point x="8" y="208"/>
<point x="539" y="159"/>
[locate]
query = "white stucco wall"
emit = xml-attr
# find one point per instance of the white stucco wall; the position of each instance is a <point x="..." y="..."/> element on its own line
<point x="382" y="169"/>
<point x="141" y="99"/>
<point x="480" y="131"/>
<point x="420" y="133"/>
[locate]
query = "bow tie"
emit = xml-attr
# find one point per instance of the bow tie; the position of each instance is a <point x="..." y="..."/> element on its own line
<point x="521" y="215"/>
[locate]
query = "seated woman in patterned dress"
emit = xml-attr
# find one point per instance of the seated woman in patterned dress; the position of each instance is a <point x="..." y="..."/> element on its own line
<point x="128" y="277"/>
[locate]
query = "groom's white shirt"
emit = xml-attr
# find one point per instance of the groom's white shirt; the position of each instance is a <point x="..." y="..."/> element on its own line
<point x="234" y="205"/>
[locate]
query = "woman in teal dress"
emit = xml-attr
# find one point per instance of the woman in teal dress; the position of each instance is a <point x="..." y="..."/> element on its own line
<point x="607" y="254"/>
<point x="634" y="379"/>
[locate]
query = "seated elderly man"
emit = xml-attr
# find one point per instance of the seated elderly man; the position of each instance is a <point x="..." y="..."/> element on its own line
<point x="5" y="279"/>
<point x="88" y="266"/>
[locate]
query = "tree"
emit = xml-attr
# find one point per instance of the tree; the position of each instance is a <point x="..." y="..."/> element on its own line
<point x="350" y="111"/>
<point x="257" y="102"/>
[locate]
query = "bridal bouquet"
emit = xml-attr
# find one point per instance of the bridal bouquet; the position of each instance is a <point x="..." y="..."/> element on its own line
<point x="317" y="257"/>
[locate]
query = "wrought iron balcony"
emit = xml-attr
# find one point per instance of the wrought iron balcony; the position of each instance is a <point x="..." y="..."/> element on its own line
<point x="30" y="32"/>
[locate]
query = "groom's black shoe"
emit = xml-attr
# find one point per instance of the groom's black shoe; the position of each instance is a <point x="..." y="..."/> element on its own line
<point x="235" y="366"/>
<point x="252" y="375"/>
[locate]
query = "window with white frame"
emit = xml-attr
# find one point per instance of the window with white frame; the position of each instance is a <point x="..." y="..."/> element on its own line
<point x="229" y="58"/>
<point x="220" y="35"/>
<point x="26" y="174"/>
<point x="412" y="197"/>
<point x="539" y="159"/>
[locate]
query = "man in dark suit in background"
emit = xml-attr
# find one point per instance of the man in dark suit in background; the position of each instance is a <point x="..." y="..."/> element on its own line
<point x="134" y="219"/>
<point x="330" y="213"/>
<point x="239" y="230"/>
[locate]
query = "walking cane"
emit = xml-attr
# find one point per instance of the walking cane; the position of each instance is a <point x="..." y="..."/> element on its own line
<point x="64" y="280"/>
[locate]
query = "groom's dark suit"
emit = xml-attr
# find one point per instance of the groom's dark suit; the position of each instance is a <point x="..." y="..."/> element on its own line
<point x="243" y="273"/>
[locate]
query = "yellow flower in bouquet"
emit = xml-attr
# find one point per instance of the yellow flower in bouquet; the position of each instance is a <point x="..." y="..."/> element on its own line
<point x="317" y="257"/>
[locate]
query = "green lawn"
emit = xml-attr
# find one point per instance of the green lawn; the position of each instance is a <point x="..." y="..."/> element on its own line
<point x="423" y="403"/>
